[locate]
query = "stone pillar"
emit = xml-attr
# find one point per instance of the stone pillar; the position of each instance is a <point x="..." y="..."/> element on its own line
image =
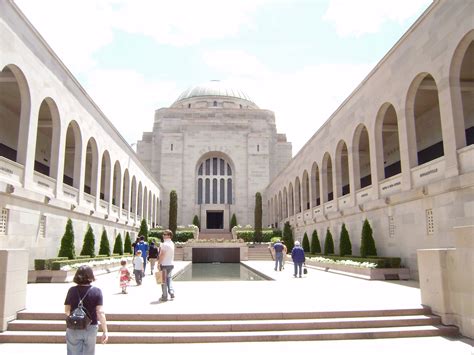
<point x="13" y="281"/>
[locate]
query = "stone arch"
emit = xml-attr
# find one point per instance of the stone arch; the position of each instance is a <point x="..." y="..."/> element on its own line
<point x="214" y="178"/>
<point x="361" y="144"/>
<point x="315" y="185"/>
<point x="133" y="196"/>
<point x="461" y="78"/>
<point x="145" y="203"/>
<point x="285" y="202"/>
<point x="91" y="167"/>
<point x="126" y="190"/>
<point x="306" y="191"/>
<point x="387" y="142"/>
<point x="72" y="155"/>
<point x="280" y="207"/>
<point x="47" y="138"/>
<point x="326" y="177"/>
<point x="342" y="169"/>
<point x="297" y="195"/>
<point x="423" y="116"/>
<point x="15" y="108"/>
<point x="105" y="173"/>
<point x="140" y="201"/>
<point x="117" y="184"/>
<point x="291" y="198"/>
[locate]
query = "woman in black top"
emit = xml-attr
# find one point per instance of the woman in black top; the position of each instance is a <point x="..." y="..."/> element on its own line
<point x="82" y="341"/>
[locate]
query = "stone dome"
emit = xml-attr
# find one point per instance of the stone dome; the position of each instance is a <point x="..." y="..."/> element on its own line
<point x="214" y="89"/>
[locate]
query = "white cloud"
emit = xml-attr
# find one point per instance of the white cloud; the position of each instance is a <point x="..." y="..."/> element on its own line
<point x="234" y="62"/>
<point x="355" y="18"/>
<point x="74" y="29"/>
<point x="303" y="100"/>
<point x="129" y="100"/>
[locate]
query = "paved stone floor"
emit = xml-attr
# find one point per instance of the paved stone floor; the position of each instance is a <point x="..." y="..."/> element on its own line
<point x="316" y="291"/>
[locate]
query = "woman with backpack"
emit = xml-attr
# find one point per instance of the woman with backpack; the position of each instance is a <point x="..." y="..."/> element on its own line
<point x="82" y="341"/>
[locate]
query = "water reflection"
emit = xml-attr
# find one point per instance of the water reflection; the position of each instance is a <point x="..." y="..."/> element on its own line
<point x="218" y="272"/>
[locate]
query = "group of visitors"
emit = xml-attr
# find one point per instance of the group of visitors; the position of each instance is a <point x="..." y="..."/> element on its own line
<point x="297" y="255"/>
<point x="89" y="298"/>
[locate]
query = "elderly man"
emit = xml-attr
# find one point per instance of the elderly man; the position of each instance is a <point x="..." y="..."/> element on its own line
<point x="278" y="248"/>
<point x="297" y="254"/>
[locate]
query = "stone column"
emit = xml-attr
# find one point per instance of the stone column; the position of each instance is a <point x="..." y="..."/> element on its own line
<point x="26" y="147"/>
<point x="13" y="281"/>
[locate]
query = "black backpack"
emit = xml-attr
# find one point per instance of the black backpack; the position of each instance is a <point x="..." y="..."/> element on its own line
<point x="79" y="319"/>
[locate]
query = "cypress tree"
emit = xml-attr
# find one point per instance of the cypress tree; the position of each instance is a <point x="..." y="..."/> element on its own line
<point x="345" y="246"/>
<point x="104" y="248"/>
<point x="128" y="244"/>
<point x="173" y="215"/>
<point x="367" y="243"/>
<point x="67" y="242"/>
<point x="305" y="243"/>
<point x="328" y="243"/>
<point x="196" y="222"/>
<point x="233" y="221"/>
<point x="118" y="245"/>
<point x="315" y="244"/>
<point x="288" y="237"/>
<point x="258" y="218"/>
<point x="88" y="247"/>
<point x="143" y="229"/>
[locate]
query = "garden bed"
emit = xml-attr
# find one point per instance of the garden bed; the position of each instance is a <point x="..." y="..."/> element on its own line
<point x="362" y="272"/>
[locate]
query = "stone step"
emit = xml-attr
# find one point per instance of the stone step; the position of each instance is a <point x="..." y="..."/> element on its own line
<point x="201" y="337"/>
<point x="237" y="325"/>
<point x="25" y="315"/>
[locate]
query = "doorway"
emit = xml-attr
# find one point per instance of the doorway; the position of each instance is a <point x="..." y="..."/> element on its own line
<point x="215" y="219"/>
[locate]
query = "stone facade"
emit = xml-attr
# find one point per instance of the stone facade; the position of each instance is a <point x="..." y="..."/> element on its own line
<point x="398" y="151"/>
<point x="60" y="157"/>
<point x="215" y="122"/>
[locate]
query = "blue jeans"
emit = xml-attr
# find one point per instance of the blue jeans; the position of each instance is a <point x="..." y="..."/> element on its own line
<point x="278" y="260"/>
<point x="298" y="268"/>
<point x="81" y="341"/>
<point x="166" y="286"/>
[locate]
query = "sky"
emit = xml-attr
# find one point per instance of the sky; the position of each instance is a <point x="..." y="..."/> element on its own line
<point x="298" y="58"/>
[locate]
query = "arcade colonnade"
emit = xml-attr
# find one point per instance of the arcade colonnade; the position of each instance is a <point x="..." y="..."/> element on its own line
<point x="407" y="126"/>
<point x="56" y="146"/>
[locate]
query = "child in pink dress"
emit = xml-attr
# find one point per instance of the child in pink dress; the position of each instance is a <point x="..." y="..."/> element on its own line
<point x="124" y="276"/>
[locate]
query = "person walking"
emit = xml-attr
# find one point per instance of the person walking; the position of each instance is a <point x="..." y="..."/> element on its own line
<point x="153" y="255"/>
<point x="166" y="261"/>
<point x="278" y="248"/>
<point x="138" y="267"/>
<point x="82" y="341"/>
<point x="124" y="276"/>
<point x="297" y="254"/>
<point x="143" y="247"/>
<point x="284" y="252"/>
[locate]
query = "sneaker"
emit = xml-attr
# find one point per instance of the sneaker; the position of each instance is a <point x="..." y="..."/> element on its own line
<point x="172" y="295"/>
<point x="163" y="299"/>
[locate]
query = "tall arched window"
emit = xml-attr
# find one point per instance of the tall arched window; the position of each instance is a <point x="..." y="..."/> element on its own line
<point x="216" y="174"/>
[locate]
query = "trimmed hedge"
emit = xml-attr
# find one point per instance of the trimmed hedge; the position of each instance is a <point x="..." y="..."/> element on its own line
<point x="57" y="265"/>
<point x="180" y="236"/>
<point x="45" y="264"/>
<point x="249" y="235"/>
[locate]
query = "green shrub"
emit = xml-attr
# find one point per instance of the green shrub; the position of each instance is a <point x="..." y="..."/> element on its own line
<point x="45" y="264"/>
<point x="173" y="213"/>
<point x="249" y="235"/>
<point x="157" y="234"/>
<point x="345" y="246"/>
<point x="328" y="243"/>
<point x="196" y="222"/>
<point x="118" y="245"/>
<point x="258" y="218"/>
<point x="315" y="244"/>
<point x="305" y="243"/>
<point x="233" y="221"/>
<point x="183" y="236"/>
<point x="388" y="262"/>
<point x="143" y="232"/>
<point x="288" y="237"/>
<point x="367" y="244"/>
<point x="104" y="248"/>
<point x="67" y="242"/>
<point x="277" y="233"/>
<point x="88" y="248"/>
<point x="127" y="247"/>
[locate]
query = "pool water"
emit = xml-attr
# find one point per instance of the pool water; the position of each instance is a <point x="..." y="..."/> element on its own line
<point x="218" y="272"/>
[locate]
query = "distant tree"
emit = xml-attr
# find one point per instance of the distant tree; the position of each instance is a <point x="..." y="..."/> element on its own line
<point x="315" y="244"/>
<point x="128" y="244"/>
<point x="233" y="221"/>
<point x="88" y="247"/>
<point x="288" y="237"/>
<point x="118" y="245"/>
<point x="196" y="222"/>
<point x="104" y="248"/>
<point x="67" y="242"/>
<point x="328" y="244"/>
<point x="143" y="229"/>
<point x="345" y="246"/>
<point x="173" y="215"/>
<point x="367" y="243"/>
<point x="305" y="243"/>
<point x="258" y="218"/>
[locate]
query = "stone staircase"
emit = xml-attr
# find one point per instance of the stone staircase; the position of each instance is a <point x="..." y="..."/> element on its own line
<point x="246" y="327"/>
<point x="210" y="234"/>
<point x="260" y="252"/>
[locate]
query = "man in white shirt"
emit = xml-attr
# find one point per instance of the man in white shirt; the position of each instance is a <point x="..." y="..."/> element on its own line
<point x="165" y="262"/>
